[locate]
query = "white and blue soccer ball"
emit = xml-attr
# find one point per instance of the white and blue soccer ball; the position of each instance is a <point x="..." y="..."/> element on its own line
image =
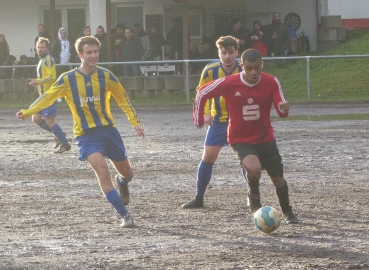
<point x="267" y="219"/>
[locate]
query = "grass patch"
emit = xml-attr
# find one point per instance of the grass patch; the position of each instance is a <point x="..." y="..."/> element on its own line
<point x="332" y="80"/>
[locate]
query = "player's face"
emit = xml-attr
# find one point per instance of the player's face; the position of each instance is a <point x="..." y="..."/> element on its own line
<point x="228" y="56"/>
<point x="89" y="55"/>
<point x="42" y="49"/>
<point x="252" y="71"/>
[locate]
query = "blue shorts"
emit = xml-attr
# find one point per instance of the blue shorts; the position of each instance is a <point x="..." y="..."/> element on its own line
<point x="49" y="111"/>
<point x="105" y="140"/>
<point x="217" y="134"/>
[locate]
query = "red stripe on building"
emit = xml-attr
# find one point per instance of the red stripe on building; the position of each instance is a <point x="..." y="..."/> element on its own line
<point x="355" y="23"/>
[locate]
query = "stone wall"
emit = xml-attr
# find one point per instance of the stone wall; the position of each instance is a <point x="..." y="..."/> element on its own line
<point x="143" y="86"/>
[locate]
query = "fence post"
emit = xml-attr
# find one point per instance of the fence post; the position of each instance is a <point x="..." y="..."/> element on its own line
<point x="308" y="76"/>
<point x="187" y="80"/>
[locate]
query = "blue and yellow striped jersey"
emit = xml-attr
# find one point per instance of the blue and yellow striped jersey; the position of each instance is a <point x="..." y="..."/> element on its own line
<point x="88" y="97"/>
<point x="211" y="72"/>
<point x="46" y="73"/>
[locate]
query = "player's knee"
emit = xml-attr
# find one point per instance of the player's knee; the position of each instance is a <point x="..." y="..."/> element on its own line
<point x="36" y="120"/>
<point x="50" y="121"/>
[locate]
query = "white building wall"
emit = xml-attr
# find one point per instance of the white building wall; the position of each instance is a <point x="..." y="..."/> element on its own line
<point x="348" y="9"/>
<point x="19" y="20"/>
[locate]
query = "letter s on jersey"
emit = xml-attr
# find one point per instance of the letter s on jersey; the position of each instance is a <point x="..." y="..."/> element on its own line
<point x="251" y="112"/>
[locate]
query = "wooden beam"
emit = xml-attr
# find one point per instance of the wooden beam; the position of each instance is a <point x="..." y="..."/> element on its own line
<point x="52" y="20"/>
<point x="108" y="29"/>
<point x="185" y="32"/>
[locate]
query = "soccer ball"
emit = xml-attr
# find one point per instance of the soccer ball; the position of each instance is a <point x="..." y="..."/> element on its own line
<point x="267" y="219"/>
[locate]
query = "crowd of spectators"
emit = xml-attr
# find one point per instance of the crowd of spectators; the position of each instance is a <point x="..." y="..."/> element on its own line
<point x="134" y="45"/>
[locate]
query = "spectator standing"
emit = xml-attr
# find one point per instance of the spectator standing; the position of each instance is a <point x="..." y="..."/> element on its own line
<point x="61" y="51"/>
<point x="145" y="40"/>
<point x="238" y="31"/>
<point x="131" y="50"/>
<point x="194" y="54"/>
<point x="4" y="49"/>
<point x="103" y="51"/>
<point x="157" y="41"/>
<point x="278" y="35"/>
<point x="257" y="39"/>
<point x="7" y="73"/>
<point x="175" y="40"/>
<point x="41" y="33"/>
<point x="116" y="41"/>
<point x="86" y="31"/>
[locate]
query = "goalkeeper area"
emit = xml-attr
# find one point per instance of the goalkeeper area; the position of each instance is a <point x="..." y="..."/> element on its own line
<point x="54" y="216"/>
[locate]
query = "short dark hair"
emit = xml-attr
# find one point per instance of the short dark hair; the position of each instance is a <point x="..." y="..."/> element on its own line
<point x="226" y="42"/>
<point x="86" y="40"/>
<point x="100" y="26"/>
<point x="43" y="40"/>
<point x="250" y="55"/>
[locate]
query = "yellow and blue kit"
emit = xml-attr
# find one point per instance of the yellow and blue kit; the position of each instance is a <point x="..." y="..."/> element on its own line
<point x="46" y="73"/>
<point x="88" y="97"/>
<point x="213" y="71"/>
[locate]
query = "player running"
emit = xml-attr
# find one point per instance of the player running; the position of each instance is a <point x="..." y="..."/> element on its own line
<point x="215" y="115"/>
<point x="87" y="91"/>
<point x="249" y="96"/>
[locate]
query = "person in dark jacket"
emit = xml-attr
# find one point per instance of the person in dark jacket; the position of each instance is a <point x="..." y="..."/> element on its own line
<point x="86" y="31"/>
<point x="24" y="72"/>
<point x="4" y="49"/>
<point x="258" y="38"/>
<point x="131" y="50"/>
<point x="238" y="31"/>
<point x="157" y="41"/>
<point x="279" y="36"/>
<point x="7" y="73"/>
<point x="101" y="36"/>
<point x="116" y="39"/>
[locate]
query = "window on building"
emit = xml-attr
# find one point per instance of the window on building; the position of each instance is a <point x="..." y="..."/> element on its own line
<point x="129" y="15"/>
<point x="71" y="17"/>
<point x="194" y="22"/>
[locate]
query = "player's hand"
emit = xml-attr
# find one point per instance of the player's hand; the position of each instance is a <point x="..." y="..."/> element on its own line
<point x="208" y="119"/>
<point x="284" y="107"/>
<point x="20" y="115"/>
<point x="33" y="82"/>
<point x="140" y="131"/>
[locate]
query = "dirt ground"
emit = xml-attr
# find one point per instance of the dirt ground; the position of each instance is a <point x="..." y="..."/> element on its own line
<point x="53" y="215"/>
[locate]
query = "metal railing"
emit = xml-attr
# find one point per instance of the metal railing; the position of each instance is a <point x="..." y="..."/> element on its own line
<point x="188" y="62"/>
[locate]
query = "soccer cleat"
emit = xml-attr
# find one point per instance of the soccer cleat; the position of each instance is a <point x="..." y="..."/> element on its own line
<point x="63" y="148"/>
<point x="290" y="217"/>
<point x="127" y="222"/>
<point x="195" y="203"/>
<point x="253" y="201"/>
<point x="123" y="191"/>
<point x="57" y="142"/>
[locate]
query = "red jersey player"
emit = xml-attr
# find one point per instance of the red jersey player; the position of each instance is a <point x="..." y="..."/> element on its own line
<point x="249" y="96"/>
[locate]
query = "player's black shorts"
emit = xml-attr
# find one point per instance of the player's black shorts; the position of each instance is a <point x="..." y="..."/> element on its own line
<point x="268" y="154"/>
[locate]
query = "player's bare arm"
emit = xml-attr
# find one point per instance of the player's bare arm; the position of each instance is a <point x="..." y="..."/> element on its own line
<point x="284" y="107"/>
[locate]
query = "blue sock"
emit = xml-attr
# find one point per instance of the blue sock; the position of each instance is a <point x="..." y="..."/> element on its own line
<point x="203" y="178"/>
<point x="114" y="199"/>
<point x="59" y="134"/>
<point x="44" y="125"/>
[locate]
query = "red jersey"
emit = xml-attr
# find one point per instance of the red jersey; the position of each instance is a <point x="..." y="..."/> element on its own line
<point x="248" y="105"/>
